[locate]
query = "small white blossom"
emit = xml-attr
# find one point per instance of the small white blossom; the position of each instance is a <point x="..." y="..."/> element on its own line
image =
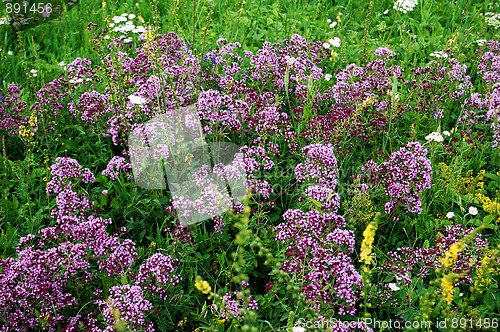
<point x="450" y="215"/>
<point x="393" y="287"/>
<point x="333" y="25"/>
<point x="107" y="37"/>
<point x="290" y="60"/>
<point x="335" y="42"/>
<point x="131" y="16"/>
<point x="473" y="210"/>
<point x="78" y="80"/>
<point x="298" y="329"/>
<point x="328" y="77"/>
<point x="328" y="20"/>
<point x="34" y="72"/>
<point x="446" y="133"/>
<point x="136" y="100"/>
<point x="4" y="20"/>
<point x="492" y="19"/>
<point x="139" y="29"/>
<point x="405" y="6"/>
<point x="386" y="11"/>
<point x="435" y="136"/>
<point x="10" y="53"/>
<point x="481" y="42"/>
<point x="439" y="54"/>
<point x="326" y="45"/>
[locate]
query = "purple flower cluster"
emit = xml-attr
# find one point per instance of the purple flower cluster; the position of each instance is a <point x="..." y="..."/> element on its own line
<point x="319" y="249"/>
<point x="403" y="177"/>
<point x="117" y="165"/>
<point x="232" y="308"/>
<point x="156" y="275"/>
<point x="358" y="98"/>
<point x="67" y="168"/>
<point x="56" y="270"/>
<point x="126" y="304"/>
<point x="12" y="110"/>
<point x="484" y="108"/>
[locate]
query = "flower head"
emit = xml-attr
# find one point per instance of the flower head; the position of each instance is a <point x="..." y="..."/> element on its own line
<point x="202" y="285"/>
<point x="434" y="136"/>
<point x="393" y="287"/>
<point x="405" y="6"/>
<point x="473" y="210"/>
<point x="137" y="100"/>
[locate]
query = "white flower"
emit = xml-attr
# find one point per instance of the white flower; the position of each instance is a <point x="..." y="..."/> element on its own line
<point x="439" y="54"/>
<point x="290" y="60"/>
<point x="326" y="45"/>
<point x="386" y="11"/>
<point x="61" y="64"/>
<point x="3" y="20"/>
<point x="492" y="19"/>
<point x="473" y="210"/>
<point x="435" y="136"/>
<point x="446" y="133"/>
<point x="335" y="42"/>
<point x="34" y="72"/>
<point x="131" y="16"/>
<point x="328" y="77"/>
<point x="298" y="329"/>
<point x="333" y="25"/>
<point x="481" y="42"/>
<point x="107" y="37"/>
<point x="405" y="6"/>
<point x="393" y="287"/>
<point x="328" y="20"/>
<point x="136" y="100"/>
<point x="139" y="29"/>
<point x="78" y="80"/>
<point x="111" y="25"/>
<point x="10" y="53"/>
<point x="450" y="215"/>
<point x="127" y="40"/>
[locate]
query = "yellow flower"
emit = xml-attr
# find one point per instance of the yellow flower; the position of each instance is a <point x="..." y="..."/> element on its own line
<point x="182" y="322"/>
<point x="368" y="239"/>
<point x="447" y="286"/>
<point x="32" y="120"/>
<point x="149" y="35"/>
<point x="25" y="132"/>
<point x="450" y="257"/>
<point x="202" y="285"/>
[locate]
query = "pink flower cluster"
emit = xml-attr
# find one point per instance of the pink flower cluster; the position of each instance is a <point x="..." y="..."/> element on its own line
<point x="58" y="270"/>
<point x="403" y="177"/>
<point x="318" y="248"/>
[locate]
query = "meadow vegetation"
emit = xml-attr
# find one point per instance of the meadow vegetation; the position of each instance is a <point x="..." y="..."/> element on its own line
<point x="369" y="137"/>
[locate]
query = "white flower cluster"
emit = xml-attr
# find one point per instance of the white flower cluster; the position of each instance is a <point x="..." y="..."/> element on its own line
<point x="439" y="54"/>
<point x="436" y="136"/>
<point x="124" y="24"/>
<point x="492" y="19"/>
<point x="333" y="24"/>
<point x="405" y="6"/>
<point x="335" y="42"/>
<point x="4" y="20"/>
<point x="481" y="42"/>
